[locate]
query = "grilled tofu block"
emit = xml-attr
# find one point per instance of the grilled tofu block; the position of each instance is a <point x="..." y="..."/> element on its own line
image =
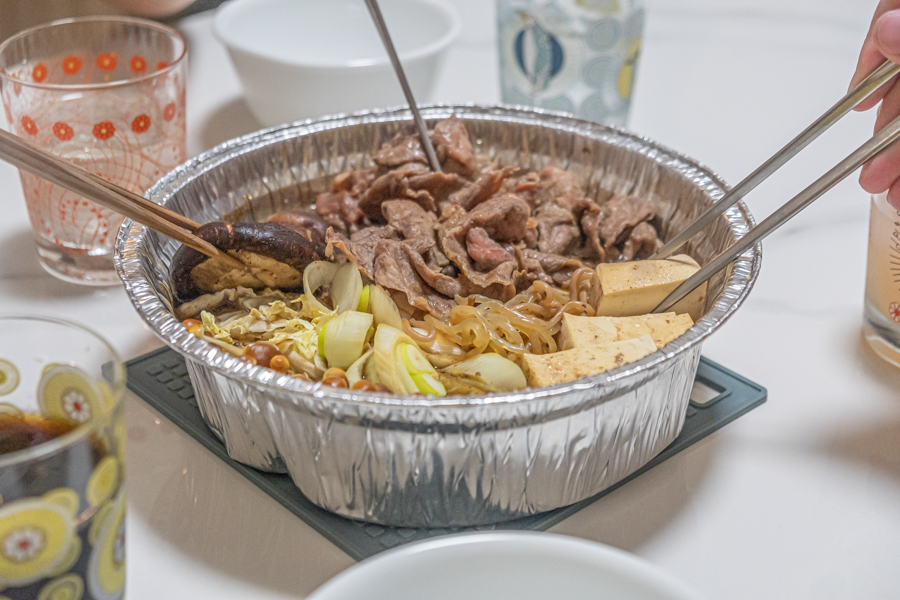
<point x="635" y="288"/>
<point x="579" y="332"/>
<point x="568" y="365"/>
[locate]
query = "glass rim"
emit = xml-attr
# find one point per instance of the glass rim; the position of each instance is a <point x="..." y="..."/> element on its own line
<point x="69" y="439"/>
<point x="171" y="32"/>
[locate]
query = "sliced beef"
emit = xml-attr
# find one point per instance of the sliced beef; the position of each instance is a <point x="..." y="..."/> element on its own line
<point x="620" y="215"/>
<point x="304" y="221"/>
<point x="453" y="148"/>
<point x="558" y="231"/>
<point x="560" y="204"/>
<point x="356" y="182"/>
<point x="486" y="253"/>
<point x="451" y="144"/>
<point x="500" y="219"/>
<point x="590" y="228"/>
<point x="389" y="186"/>
<point x="549" y="268"/>
<point x="439" y="186"/>
<point x="402" y="149"/>
<point x="361" y="247"/>
<point x="414" y="224"/>
<point x="559" y="186"/>
<point x="340" y="210"/>
<point x="505" y="218"/>
<point x="642" y="242"/>
<point x="488" y="183"/>
<point x="395" y="269"/>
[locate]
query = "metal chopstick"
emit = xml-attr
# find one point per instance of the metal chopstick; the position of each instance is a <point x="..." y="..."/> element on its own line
<point x="853" y="98"/>
<point x="876" y="144"/>
<point x="398" y="68"/>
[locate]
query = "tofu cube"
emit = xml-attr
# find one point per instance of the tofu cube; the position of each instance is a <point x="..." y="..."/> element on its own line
<point x="568" y="365"/>
<point x="577" y="332"/>
<point x="635" y="288"/>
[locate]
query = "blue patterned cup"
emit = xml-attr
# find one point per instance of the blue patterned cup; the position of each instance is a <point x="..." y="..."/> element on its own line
<point x="576" y="56"/>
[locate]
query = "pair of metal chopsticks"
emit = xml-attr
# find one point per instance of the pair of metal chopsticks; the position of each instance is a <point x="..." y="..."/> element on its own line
<point x="879" y="142"/>
<point x="28" y="157"/>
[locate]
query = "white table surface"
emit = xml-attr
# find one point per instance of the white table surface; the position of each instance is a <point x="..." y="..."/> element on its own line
<point x="800" y="499"/>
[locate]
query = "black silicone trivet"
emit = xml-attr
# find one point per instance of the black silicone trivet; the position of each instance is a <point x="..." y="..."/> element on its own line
<point x="160" y="377"/>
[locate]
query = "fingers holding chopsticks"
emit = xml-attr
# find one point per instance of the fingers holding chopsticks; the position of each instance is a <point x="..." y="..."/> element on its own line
<point x="882" y="174"/>
<point x="884" y="29"/>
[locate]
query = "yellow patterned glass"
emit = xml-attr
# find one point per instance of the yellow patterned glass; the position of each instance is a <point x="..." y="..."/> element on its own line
<point x="62" y="501"/>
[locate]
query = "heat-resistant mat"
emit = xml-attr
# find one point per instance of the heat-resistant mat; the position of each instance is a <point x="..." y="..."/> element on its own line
<point x="160" y="378"/>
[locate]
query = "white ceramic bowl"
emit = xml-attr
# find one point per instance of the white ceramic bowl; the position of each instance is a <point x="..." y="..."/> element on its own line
<point x="299" y="59"/>
<point x="503" y="566"/>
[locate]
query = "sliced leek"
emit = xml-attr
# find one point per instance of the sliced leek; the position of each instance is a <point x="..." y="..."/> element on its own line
<point x="315" y="276"/>
<point x="346" y="288"/>
<point x="489" y="372"/>
<point x="401" y="366"/>
<point x="363" y="305"/>
<point x="383" y="308"/>
<point x="357" y="370"/>
<point x="343" y="338"/>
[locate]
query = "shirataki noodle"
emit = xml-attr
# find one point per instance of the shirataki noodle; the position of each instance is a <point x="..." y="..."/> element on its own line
<point x="528" y="322"/>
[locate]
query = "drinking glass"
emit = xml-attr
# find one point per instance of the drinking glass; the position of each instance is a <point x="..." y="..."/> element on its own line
<point x="62" y="502"/>
<point x="881" y="324"/>
<point x="106" y="93"/>
<point x="576" y="56"/>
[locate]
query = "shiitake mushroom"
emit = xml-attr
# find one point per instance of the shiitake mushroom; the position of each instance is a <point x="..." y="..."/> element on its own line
<point x="274" y="254"/>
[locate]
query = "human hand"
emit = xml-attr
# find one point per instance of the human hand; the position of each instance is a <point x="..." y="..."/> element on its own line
<point x="882" y="173"/>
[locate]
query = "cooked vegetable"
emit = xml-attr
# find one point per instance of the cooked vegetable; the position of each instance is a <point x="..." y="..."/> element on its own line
<point x="300" y="364"/>
<point x="489" y="372"/>
<point x="346" y="288"/>
<point x="335" y="378"/>
<point x="274" y="255"/>
<point x="357" y="369"/>
<point x="193" y="326"/>
<point x="363" y="305"/>
<point x="383" y="307"/>
<point x="262" y="353"/>
<point x="401" y="366"/>
<point x="315" y="276"/>
<point x="343" y="338"/>
<point x="280" y="363"/>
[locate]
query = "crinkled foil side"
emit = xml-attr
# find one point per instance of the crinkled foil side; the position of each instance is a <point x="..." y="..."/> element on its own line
<point x="457" y="460"/>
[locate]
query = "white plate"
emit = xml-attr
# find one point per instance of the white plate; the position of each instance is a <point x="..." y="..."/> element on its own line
<point x="503" y="566"/>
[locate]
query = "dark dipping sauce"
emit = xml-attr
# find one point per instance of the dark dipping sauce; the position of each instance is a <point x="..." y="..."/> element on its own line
<point x="27" y="431"/>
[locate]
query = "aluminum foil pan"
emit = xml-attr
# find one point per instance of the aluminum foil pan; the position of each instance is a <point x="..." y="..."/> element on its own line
<point x="456" y="460"/>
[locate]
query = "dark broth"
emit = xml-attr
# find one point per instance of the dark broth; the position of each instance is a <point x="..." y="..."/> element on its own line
<point x="26" y="431"/>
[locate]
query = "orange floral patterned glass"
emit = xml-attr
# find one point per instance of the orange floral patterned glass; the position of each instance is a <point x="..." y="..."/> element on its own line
<point x="87" y="90"/>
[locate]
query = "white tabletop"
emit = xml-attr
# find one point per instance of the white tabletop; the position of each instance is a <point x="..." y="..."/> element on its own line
<point x="800" y="499"/>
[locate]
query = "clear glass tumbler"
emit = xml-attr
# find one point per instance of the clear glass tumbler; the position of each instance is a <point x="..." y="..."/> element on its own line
<point x="106" y="93"/>
<point x="62" y="476"/>
<point x="881" y="324"/>
<point x="576" y="56"/>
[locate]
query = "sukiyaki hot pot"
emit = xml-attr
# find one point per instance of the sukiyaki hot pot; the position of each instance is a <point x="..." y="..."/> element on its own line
<point x="454" y="402"/>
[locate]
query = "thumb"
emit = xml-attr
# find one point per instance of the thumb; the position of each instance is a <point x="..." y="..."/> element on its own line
<point x="887" y="35"/>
